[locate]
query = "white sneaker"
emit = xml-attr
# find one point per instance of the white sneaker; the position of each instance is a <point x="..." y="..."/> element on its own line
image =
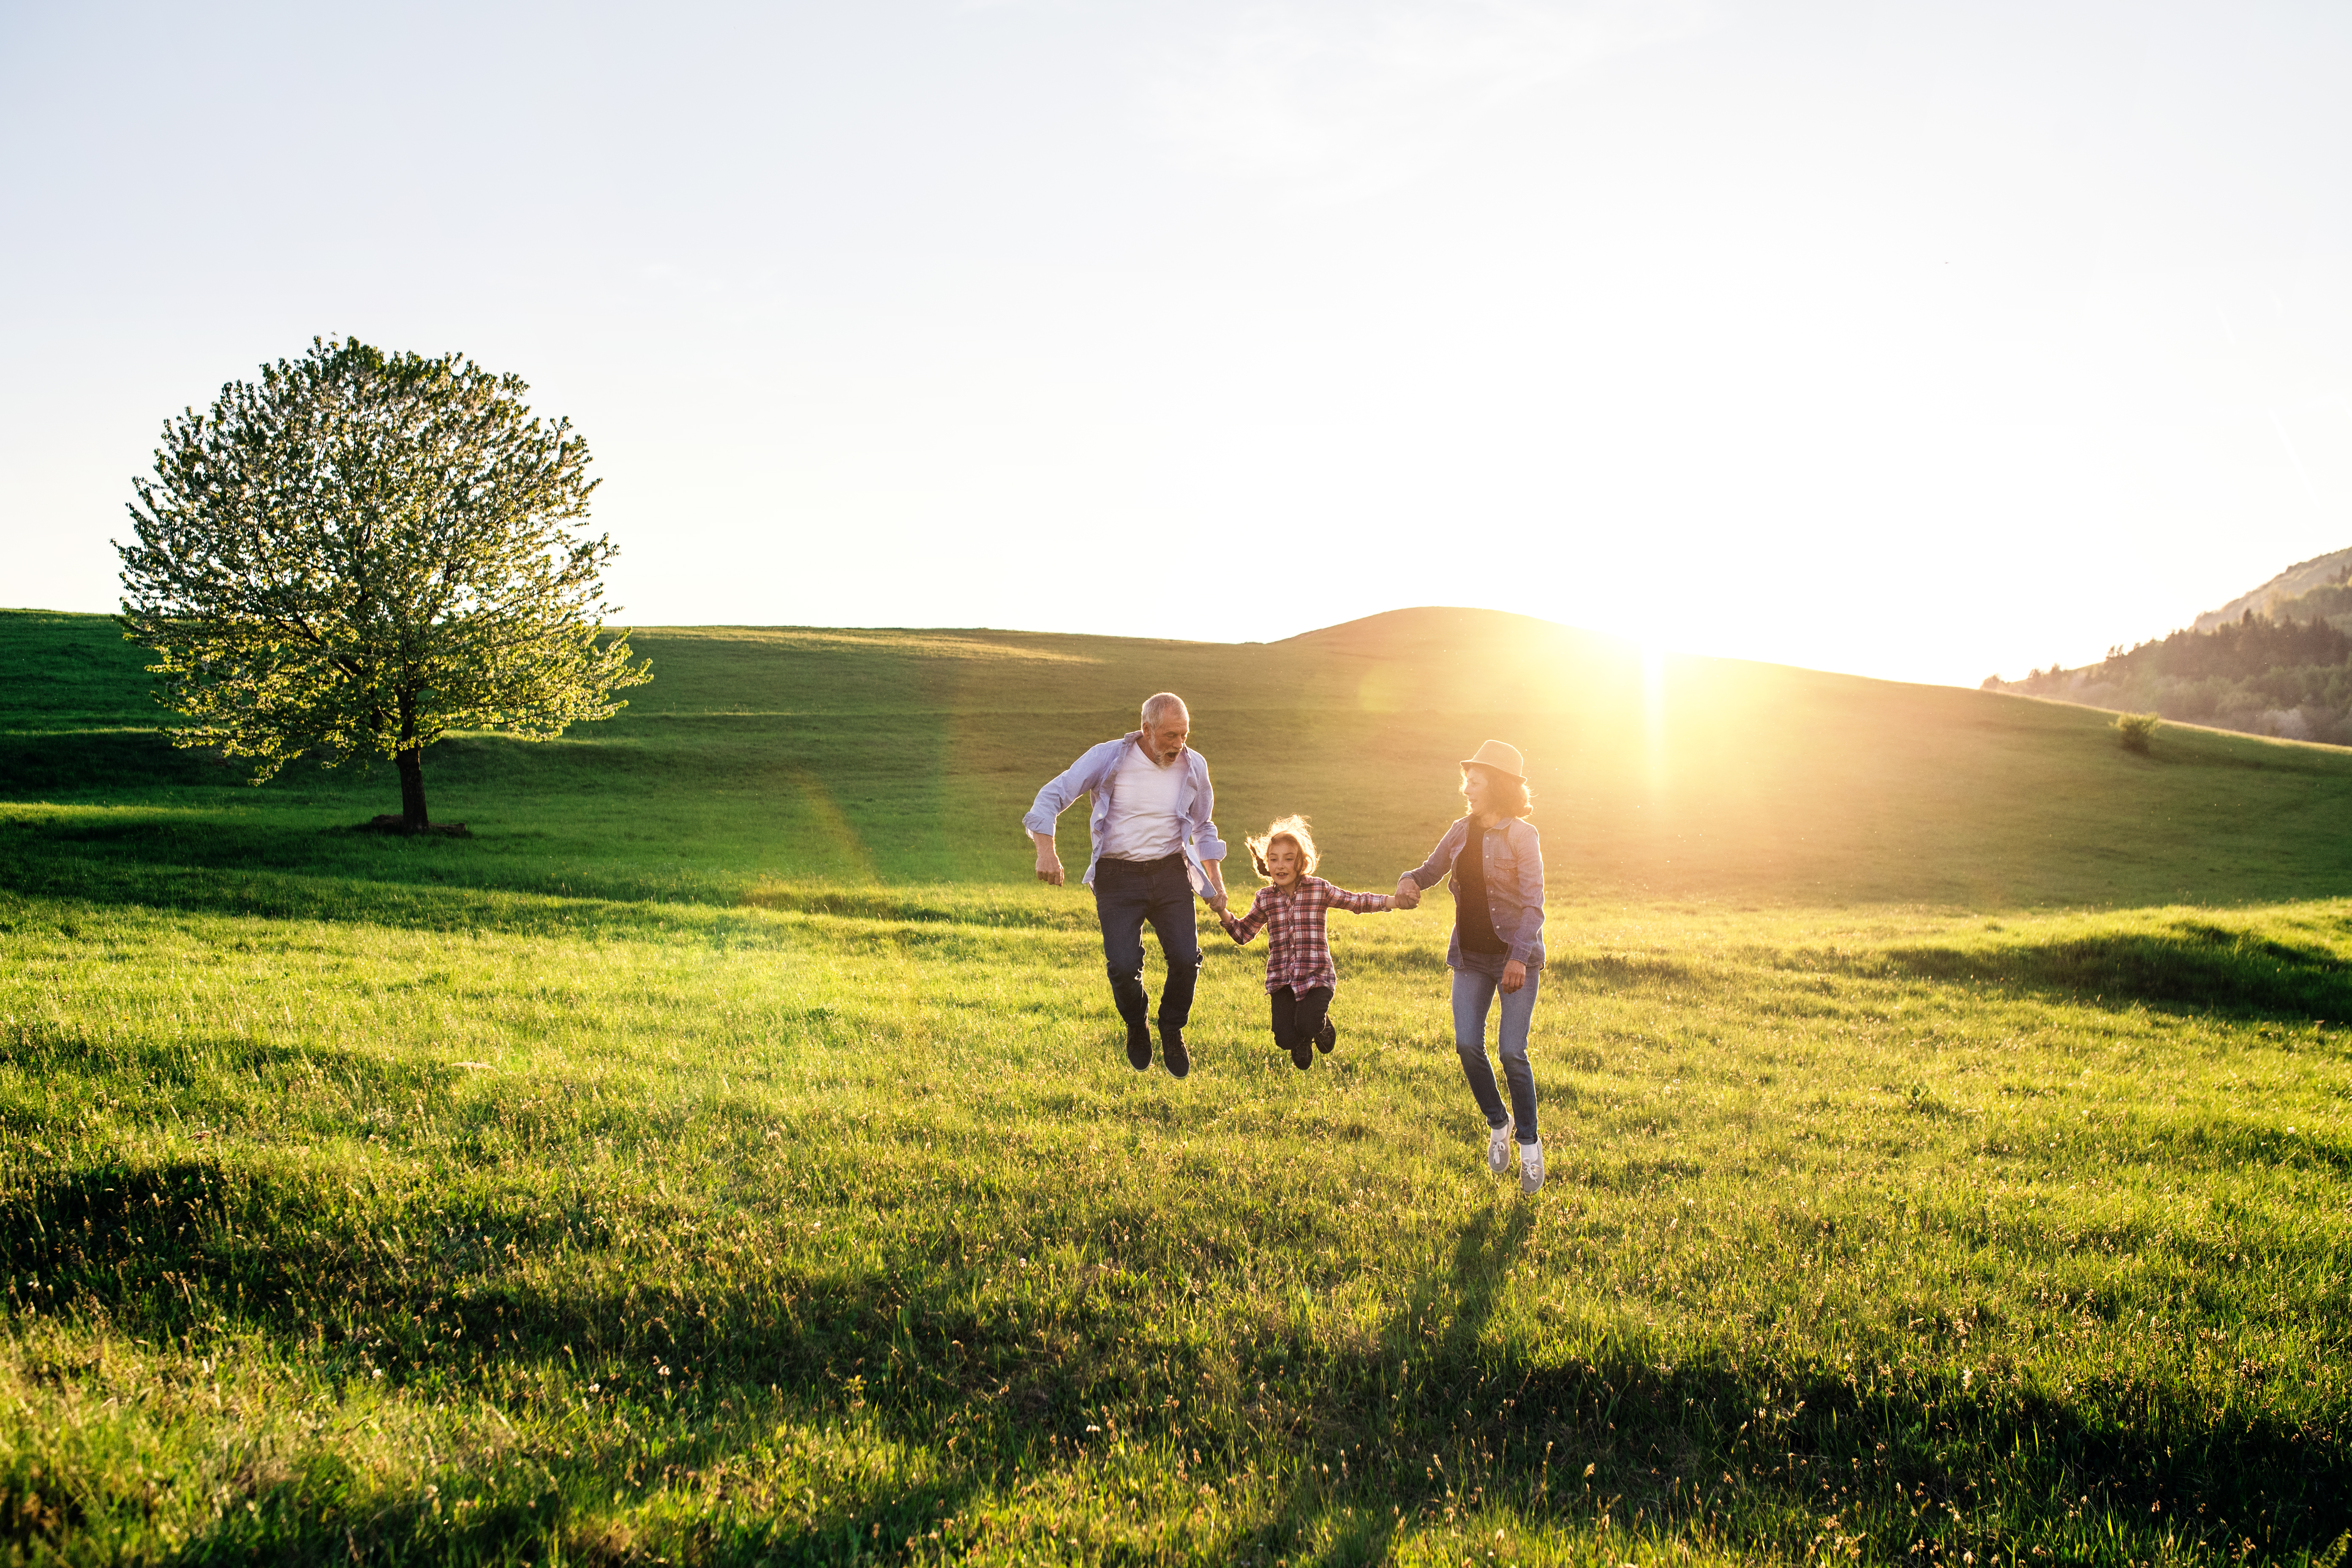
<point x="1498" y="1147"/>
<point x="1530" y="1166"/>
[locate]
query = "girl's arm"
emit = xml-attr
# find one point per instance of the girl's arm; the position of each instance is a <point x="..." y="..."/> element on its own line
<point x="1363" y="903"/>
<point x="1242" y="930"/>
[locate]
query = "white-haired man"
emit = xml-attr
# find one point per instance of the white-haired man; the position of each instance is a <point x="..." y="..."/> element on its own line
<point x="1154" y="846"/>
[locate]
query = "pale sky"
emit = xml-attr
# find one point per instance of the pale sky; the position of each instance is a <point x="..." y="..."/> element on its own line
<point x="1923" y="339"/>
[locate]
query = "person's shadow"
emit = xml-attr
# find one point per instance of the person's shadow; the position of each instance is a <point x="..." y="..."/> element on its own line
<point x="1429" y="1360"/>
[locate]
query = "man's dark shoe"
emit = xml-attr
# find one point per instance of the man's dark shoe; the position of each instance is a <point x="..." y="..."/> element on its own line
<point x="1326" y="1037"/>
<point x="1172" y="1051"/>
<point x="1138" y="1045"/>
<point x="1302" y="1055"/>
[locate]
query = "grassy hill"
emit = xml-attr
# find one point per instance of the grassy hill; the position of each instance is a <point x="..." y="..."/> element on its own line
<point x="724" y="1154"/>
<point x="898" y="758"/>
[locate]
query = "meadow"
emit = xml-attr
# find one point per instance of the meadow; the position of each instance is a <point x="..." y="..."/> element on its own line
<point x="724" y="1153"/>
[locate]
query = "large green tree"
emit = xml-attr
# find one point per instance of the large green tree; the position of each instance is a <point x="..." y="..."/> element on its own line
<point x="364" y="551"/>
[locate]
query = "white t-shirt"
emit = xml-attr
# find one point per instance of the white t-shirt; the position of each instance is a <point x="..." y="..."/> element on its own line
<point x="1143" y="824"/>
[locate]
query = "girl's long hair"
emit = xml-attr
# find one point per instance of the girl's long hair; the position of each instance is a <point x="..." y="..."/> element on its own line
<point x="1291" y="827"/>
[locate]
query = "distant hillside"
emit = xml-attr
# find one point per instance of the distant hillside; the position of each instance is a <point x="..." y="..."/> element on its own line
<point x="2276" y="661"/>
<point x="2295" y="583"/>
<point x="764" y="758"/>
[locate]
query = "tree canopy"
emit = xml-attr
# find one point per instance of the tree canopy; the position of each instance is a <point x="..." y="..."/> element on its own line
<point x="361" y="552"/>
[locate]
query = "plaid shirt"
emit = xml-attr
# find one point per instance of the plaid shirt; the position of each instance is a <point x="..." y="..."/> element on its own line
<point x="1299" y="950"/>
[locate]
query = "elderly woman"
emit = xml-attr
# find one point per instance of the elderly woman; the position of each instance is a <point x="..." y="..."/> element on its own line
<point x="1496" y="864"/>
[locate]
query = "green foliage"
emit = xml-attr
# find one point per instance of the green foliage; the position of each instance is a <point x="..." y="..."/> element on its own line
<point x="363" y="552"/>
<point x="2286" y="677"/>
<point x="2136" y="730"/>
<point x="727" y="1155"/>
<point x="2329" y="602"/>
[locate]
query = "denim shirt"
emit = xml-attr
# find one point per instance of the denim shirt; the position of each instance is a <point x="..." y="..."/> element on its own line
<point x="1515" y="885"/>
<point x="1094" y="775"/>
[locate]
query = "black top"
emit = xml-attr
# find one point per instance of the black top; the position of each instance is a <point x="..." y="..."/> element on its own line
<point x="1473" y="923"/>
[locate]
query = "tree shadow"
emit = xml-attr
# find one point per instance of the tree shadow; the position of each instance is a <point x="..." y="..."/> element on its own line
<point x="2188" y="967"/>
<point x="269" y="872"/>
<point x="35" y="765"/>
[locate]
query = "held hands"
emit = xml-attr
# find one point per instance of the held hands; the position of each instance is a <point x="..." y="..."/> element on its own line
<point x="1408" y="893"/>
<point x="1515" y="975"/>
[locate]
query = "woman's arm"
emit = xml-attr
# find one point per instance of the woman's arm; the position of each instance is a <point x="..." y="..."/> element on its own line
<point x="1431" y="872"/>
<point x="1528" y="938"/>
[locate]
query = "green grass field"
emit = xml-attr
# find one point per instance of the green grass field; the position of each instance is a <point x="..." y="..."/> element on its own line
<point x="725" y="1154"/>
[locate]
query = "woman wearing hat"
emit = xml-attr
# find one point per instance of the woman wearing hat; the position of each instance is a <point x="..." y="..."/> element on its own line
<point x="1496" y="864"/>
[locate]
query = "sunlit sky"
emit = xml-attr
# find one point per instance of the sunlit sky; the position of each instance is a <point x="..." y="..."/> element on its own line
<point x="1925" y="340"/>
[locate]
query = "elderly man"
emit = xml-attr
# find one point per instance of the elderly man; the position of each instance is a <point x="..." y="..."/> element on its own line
<point x="1154" y="846"/>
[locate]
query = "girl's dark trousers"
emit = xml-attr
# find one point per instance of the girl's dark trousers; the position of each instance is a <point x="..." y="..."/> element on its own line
<point x="1297" y="1018"/>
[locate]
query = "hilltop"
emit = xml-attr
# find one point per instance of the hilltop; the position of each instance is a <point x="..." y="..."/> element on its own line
<point x="2273" y="599"/>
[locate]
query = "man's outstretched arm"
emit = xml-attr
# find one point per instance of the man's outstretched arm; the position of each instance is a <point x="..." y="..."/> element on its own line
<point x="1049" y="859"/>
<point x="1079" y="778"/>
<point x="1203" y="826"/>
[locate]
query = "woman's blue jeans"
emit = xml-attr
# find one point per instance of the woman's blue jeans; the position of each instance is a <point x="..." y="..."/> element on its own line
<point x="1475" y="985"/>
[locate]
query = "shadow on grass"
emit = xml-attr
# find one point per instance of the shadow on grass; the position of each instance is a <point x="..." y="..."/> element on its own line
<point x="36" y="766"/>
<point x="577" y="1514"/>
<point x="342" y="873"/>
<point x="2188" y="967"/>
<point x="215" y="867"/>
<point x="1435" y="1408"/>
<point x="920" y="907"/>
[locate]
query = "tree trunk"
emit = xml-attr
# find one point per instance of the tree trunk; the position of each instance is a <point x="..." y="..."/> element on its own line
<point x="410" y="759"/>
<point x="411" y="764"/>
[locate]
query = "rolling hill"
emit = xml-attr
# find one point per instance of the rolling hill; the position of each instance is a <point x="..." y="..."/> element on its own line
<point x="892" y="758"/>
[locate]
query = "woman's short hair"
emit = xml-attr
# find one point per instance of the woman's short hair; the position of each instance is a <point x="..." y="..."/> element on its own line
<point x="1291" y="827"/>
<point x="1511" y="796"/>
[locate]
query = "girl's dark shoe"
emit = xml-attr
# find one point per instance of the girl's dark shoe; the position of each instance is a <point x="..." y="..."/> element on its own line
<point x="1326" y="1037"/>
<point x="1173" y="1052"/>
<point x="1302" y="1055"/>
<point x="1138" y="1045"/>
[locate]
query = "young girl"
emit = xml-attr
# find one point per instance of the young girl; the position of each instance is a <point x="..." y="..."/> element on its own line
<point x="1298" y="973"/>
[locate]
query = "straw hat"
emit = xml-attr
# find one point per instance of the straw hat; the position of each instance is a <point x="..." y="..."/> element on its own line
<point x="1503" y="758"/>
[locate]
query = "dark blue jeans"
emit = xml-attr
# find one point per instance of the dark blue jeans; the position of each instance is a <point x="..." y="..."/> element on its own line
<point x="1478" y="985"/>
<point x="1126" y="894"/>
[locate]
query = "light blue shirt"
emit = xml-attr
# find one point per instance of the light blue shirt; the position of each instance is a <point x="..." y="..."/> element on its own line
<point x="1095" y="772"/>
<point x="1511" y="854"/>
